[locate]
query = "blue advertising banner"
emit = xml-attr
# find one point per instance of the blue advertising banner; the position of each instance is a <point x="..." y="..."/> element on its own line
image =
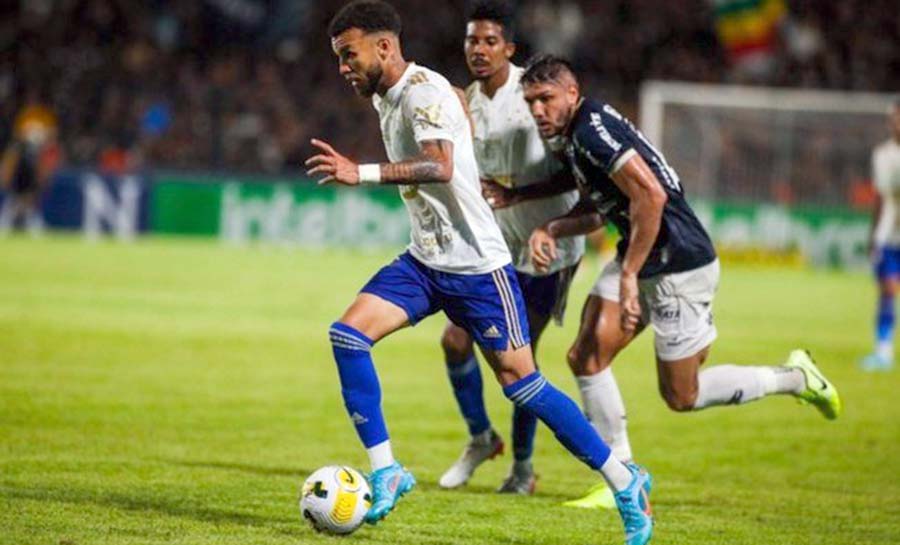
<point x="96" y="204"/>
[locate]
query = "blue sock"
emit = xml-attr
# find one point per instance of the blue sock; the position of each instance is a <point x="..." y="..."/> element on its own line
<point x="359" y="383"/>
<point x="534" y="393"/>
<point x="467" y="387"/>
<point x="524" y="426"/>
<point x="885" y="327"/>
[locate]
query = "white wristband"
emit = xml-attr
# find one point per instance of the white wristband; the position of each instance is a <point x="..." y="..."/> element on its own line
<point x="370" y="173"/>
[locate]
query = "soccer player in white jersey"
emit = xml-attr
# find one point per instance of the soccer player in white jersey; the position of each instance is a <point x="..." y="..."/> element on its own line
<point x="884" y="242"/>
<point x="456" y="262"/>
<point x="528" y="186"/>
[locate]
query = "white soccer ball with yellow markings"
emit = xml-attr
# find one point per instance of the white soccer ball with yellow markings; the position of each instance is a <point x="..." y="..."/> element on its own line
<point x="335" y="499"/>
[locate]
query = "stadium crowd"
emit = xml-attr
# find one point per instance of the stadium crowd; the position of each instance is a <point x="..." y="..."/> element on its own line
<point x="243" y="84"/>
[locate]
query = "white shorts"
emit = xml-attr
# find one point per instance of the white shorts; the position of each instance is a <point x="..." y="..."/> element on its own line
<point x="678" y="306"/>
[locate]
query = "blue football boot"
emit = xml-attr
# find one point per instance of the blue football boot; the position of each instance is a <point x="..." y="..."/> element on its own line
<point x="634" y="508"/>
<point x="388" y="485"/>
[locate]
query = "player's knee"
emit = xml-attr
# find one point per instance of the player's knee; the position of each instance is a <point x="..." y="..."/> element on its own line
<point x="584" y="359"/>
<point x="344" y="335"/>
<point x="456" y="344"/>
<point x="680" y="402"/>
<point x="578" y="357"/>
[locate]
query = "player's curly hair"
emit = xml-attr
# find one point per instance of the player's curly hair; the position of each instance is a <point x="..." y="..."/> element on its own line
<point x="497" y="11"/>
<point x="368" y="16"/>
<point x="545" y="69"/>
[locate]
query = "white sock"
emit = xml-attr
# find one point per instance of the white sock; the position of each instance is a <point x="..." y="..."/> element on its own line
<point x="605" y="409"/>
<point x="738" y="384"/>
<point x="885" y="350"/>
<point x="617" y="476"/>
<point x="380" y="455"/>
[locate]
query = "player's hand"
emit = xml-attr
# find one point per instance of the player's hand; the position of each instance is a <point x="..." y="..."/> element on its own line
<point x="335" y="166"/>
<point x="543" y="249"/>
<point x="496" y="195"/>
<point x="630" y="306"/>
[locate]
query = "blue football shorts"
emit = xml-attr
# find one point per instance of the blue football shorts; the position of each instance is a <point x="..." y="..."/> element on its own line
<point x="888" y="263"/>
<point x="488" y="306"/>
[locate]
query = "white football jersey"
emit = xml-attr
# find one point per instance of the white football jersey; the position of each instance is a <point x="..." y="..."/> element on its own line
<point x="886" y="175"/>
<point x="453" y="229"/>
<point x="510" y="151"/>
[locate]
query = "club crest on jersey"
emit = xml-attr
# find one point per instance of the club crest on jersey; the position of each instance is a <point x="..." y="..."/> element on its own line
<point x="597" y="123"/>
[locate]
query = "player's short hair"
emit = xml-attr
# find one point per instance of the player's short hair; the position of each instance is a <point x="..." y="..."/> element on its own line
<point x="546" y="69"/>
<point x="500" y="12"/>
<point x="367" y="15"/>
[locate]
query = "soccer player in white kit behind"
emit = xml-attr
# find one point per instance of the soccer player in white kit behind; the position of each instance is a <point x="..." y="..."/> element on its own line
<point x="884" y="242"/>
<point x="456" y="262"/>
<point x="528" y="186"/>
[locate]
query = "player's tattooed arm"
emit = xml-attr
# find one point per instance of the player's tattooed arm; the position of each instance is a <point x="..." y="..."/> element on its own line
<point x="433" y="165"/>
<point x="581" y="220"/>
<point x="647" y="198"/>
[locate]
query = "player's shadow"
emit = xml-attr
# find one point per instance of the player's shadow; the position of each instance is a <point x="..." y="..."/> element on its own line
<point x="266" y="471"/>
<point x="170" y="507"/>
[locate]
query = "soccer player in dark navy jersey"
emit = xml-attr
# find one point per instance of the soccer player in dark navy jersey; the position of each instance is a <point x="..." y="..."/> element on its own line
<point x="665" y="272"/>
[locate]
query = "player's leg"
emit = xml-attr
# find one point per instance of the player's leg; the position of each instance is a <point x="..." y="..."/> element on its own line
<point x="524" y="385"/>
<point x="499" y="304"/>
<point x="396" y="296"/>
<point x="8" y="212"/>
<point x="887" y="274"/>
<point x="465" y="377"/>
<point x="34" y="221"/>
<point x="680" y="309"/>
<point x="521" y="478"/>
<point x="600" y="338"/>
<point x="545" y="298"/>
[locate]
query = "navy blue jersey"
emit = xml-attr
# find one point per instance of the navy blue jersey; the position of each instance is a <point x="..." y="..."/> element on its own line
<point x="600" y="142"/>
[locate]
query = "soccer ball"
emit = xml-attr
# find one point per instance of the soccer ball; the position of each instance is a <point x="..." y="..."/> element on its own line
<point x="335" y="499"/>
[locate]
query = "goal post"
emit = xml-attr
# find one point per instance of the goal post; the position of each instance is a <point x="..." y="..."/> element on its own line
<point x="772" y="169"/>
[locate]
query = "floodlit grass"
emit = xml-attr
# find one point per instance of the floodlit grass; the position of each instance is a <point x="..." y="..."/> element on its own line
<point x="178" y="392"/>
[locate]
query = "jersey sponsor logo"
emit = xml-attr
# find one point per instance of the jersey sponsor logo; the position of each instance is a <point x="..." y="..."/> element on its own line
<point x="597" y="123"/>
<point x="492" y="333"/>
<point x="428" y="116"/>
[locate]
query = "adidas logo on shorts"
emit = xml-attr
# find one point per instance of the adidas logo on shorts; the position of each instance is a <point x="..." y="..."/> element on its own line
<point x="492" y="333"/>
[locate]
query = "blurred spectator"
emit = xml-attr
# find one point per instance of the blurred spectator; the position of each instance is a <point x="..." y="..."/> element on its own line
<point x="27" y="165"/>
<point x="244" y="84"/>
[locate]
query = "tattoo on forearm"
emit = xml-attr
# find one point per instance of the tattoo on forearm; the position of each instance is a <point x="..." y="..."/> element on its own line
<point x="429" y="167"/>
<point x="409" y="172"/>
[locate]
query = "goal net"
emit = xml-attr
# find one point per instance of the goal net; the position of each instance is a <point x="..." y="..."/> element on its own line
<point x="772" y="169"/>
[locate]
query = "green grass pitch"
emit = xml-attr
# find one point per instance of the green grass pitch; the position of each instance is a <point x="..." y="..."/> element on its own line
<point x="178" y="392"/>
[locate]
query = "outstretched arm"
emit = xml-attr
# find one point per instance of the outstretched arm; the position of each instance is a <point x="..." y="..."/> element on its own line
<point x="499" y="196"/>
<point x="433" y="165"/>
